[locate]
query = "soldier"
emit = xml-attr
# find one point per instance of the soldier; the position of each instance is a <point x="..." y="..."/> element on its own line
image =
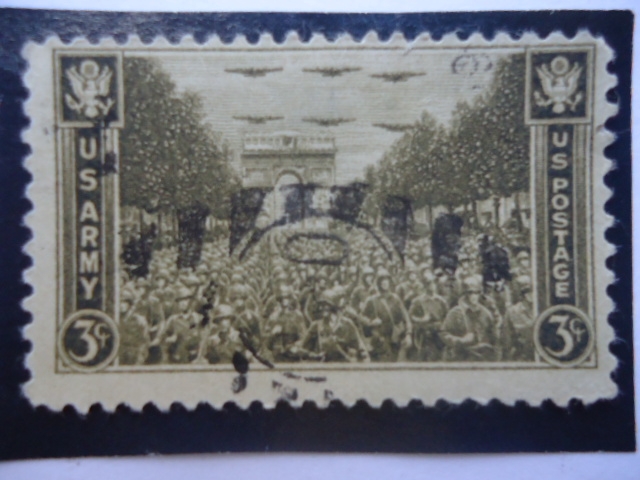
<point x="334" y="338"/>
<point x="427" y="313"/>
<point x="156" y="317"/>
<point x="272" y="300"/>
<point x="386" y="320"/>
<point x="310" y="298"/>
<point x="206" y="301"/>
<point x="469" y="329"/>
<point x="448" y="286"/>
<point x="352" y="275"/>
<point x="182" y="335"/>
<point x="188" y="279"/>
<point x="523" y="263"/>
<point x="252" y="277"/>
<point x="131" y="255"/>
<point x="283" y="329"/>
<point x="519" y="324"/>
<point x="202" y="272"/>
<point x="495" y="260"/>
<point x="165" y="292"/>
<point x="141" y="290"/>
<point x="247" y="319"/>
<point x="134" y="332"/>
<point x="496" y="298"/>
<point x="364" y="290"/>
<point x="221" y="340"/>
<point x="445" y="241"/>
<point x="409" y="289"/>
<point x="465" y="266"/>
<point x="302" y="277"/>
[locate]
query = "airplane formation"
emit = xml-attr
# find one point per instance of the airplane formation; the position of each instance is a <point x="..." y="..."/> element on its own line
<point x="256" y="120"/>
<point x="253" y="72"/>
<point x="327" y="122"/>
<point x="331" y="71"/>
<point x="395" y="127"/>
<point x="394" y="77"/>
<point x="397" y="76"/>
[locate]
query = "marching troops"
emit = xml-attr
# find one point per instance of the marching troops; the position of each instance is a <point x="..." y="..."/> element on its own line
<point x="284" y="329"/>
<point x="385" y="319"/>
<point x="368" y="309"/>
<point x="334" y="338"/>
<point x="469" y="330"/>
<point x="519" y="323"/>
<point x="134" y="332"/>
<point x="427" y="312"/>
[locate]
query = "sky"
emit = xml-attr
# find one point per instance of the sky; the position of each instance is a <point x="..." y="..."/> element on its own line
<point x="450" y="76"/>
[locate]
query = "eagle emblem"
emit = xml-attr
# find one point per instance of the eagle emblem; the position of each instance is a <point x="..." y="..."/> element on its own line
<point x="559" y="81"/>
<point x="88" y="85"/>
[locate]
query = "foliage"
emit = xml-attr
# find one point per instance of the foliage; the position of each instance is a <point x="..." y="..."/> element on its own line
<point x="482" y="154"/>
<point x="170" y="157"/>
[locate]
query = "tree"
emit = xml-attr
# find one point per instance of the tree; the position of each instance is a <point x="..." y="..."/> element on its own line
<point x="473" y="165"/>
<point x="492" y="135"/>
<point x="171" y="159"/>
<point x="508" y="137"/>
<point x="482" y="154"/>
<point x="429" y="157"/>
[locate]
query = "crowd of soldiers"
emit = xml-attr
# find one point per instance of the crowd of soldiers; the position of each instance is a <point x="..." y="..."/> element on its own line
<point x="372" y="307"/>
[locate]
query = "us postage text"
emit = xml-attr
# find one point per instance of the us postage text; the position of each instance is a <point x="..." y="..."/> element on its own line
<point x="316" y="221"/>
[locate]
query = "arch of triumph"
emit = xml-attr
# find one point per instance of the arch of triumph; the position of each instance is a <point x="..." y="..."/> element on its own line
<point x="266" y="158"/>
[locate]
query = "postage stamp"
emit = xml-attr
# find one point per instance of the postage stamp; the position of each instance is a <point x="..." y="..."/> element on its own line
<point x="316" y="221"/>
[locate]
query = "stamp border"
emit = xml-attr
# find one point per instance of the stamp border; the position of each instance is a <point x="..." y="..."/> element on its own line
<point x="122" y="51"/>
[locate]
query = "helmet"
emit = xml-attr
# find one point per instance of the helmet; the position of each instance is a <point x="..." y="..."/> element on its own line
<point x="428" y="275"/>
<point x="383" y="273"/>
<point x="285" y="291"/>
<point x="320" y="273"/>
<point x="223" y="311"/>
<point x="162" y="273"/>
<point x="333" y="296"/>
<point x="463" y="257"/>
<point x="472" y="284"/>
<point x="202" y="268"/>
<point x="368" y="271"/>
<point x="239" y="290"/>
<point x="524" y="283"/>
<point x="126" y="295"/>
<point x="190" y="279"/>
<point x="184" y="293"/>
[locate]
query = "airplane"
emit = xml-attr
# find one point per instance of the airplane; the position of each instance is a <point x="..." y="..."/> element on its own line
<point x="256" y="120"/>
<point x="253" y="72"/>
<point x="327" y="122"/>
<point x="331" y="71"/>
<point x="395" y="127"/>
<point x="397" y="76"/>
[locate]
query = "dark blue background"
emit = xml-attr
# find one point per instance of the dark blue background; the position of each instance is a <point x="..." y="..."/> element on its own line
<point x="26" y="431"/>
